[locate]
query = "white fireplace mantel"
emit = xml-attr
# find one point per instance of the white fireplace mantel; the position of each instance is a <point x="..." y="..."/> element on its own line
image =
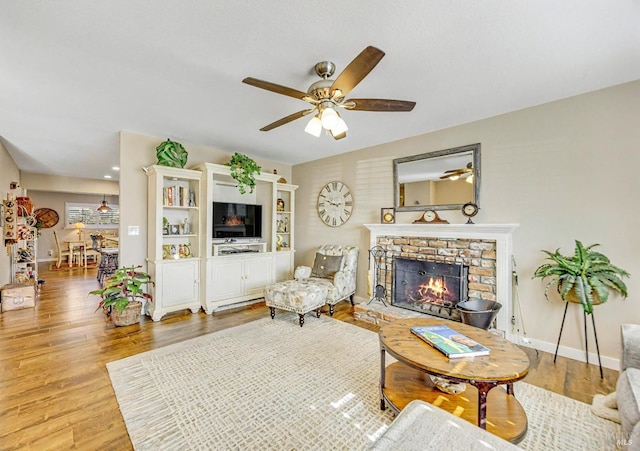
<point x="501" y="233"/>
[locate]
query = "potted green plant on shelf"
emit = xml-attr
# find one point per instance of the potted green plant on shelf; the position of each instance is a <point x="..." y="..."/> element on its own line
<point x="121" y="293"/>
<point x="172" y="154"/>
<point x="587" y="277"/>
<point x="243" y="170"/>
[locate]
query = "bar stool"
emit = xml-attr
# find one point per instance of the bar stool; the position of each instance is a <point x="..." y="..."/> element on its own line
<point x="108" y="263"/>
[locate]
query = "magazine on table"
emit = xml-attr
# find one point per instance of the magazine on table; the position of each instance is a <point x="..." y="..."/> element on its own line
<point x="451" y="343"/>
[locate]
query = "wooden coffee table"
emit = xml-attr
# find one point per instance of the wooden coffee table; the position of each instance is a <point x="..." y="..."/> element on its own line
<point x="497" y="410"/>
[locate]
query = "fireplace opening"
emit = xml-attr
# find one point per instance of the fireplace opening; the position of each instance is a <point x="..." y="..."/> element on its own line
<point x="434" y="288"/>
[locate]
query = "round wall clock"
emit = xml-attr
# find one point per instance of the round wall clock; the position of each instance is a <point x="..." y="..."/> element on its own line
<point x="335" y="204"/>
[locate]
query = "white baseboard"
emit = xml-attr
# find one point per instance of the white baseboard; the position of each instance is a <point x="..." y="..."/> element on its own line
<point x="571" y="353"/>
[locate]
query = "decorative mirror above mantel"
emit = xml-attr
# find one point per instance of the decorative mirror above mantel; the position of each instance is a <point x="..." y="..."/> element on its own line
<point x="441" y="180"/>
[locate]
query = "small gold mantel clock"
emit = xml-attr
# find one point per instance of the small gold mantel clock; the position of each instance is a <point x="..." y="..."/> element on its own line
<point x="387" y="215"/>
<point x="335" y="204"/>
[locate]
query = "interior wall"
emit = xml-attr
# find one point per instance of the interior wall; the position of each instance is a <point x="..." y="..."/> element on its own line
<point x="138" y="151"/>
<point x="56" y="201"/>
<point x="9" y="172"/>
<point x="564" y="170"/>
<point x="58" y="184"/>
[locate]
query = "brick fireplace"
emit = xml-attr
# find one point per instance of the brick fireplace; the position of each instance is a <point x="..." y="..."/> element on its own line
<point x="481" y="251"/>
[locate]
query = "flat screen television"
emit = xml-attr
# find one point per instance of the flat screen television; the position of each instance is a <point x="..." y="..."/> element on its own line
<point x="235" y="220"/>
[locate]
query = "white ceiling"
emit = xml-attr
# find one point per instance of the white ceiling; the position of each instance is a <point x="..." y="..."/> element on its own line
<point x="73" y="73"/>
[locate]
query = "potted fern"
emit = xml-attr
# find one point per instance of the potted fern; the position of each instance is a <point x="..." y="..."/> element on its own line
<point x="243" y="170"/>
<point x="587" y="277"/>
<point x="120" y="294"/>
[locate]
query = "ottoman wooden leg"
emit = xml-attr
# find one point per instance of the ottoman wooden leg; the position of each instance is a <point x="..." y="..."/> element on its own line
<point x="331" y="309"/>
<point x="301" y="319"/>
<point x="318" y="313"/>
<point x="273" y="312"/>
<point x="351" y="299"/>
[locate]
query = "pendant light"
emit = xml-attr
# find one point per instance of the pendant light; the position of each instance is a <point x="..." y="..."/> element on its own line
<point x="104" y="208"/>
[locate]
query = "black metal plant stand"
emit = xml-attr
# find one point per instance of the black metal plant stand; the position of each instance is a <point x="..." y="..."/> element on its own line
<point x="586" y="341"/>
<point x="381" y="269"/>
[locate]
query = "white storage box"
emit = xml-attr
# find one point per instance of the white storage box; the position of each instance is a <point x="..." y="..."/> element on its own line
<point x="13" y="297"/>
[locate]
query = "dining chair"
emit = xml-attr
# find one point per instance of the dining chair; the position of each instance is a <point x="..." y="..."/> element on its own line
<point x="92" y="250"/>
<point x="64" y="253"/>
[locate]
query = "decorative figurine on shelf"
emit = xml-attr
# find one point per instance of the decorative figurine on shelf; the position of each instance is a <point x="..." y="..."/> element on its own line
<point x="280" y="205"/>
<point x="186" y="228"/>
<point x="165" y="226"/>
<point x="281" y="179"/>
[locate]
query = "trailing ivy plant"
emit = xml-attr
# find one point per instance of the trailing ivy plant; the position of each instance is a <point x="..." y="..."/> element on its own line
<point x="588" y="276"/>
<point x="243" y="170"/>
<point x="172" y="154"/>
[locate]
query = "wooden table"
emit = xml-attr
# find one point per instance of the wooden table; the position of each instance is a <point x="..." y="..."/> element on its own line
<point x="80" y="244"/>
<point x="497" y="410"/>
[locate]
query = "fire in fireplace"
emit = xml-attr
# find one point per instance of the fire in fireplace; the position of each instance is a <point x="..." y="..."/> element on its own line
<point x="434" y="288"/>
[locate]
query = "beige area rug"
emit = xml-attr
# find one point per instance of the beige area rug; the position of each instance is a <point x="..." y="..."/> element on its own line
<point x="271" y="384"/>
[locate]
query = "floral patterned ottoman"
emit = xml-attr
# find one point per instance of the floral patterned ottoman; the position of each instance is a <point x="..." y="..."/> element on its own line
<point x="300" y="296"/>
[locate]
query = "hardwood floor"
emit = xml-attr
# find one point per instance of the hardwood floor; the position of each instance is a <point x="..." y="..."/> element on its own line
<point x="56" y="393"/>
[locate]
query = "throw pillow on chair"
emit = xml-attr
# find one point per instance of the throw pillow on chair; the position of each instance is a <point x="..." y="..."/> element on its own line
<point x="326" y="266"/>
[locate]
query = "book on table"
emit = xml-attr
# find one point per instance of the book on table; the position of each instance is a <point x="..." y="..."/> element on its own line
<point x="450" y="342"/>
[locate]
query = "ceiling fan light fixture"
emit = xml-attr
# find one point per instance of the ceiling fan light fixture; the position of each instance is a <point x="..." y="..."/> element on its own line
<point x="314" y="126"/>
<point x="454" y="177"/>
<point x="340" y="127"/>
<point x="329" y="118"/>
<point x="469" y="179"/>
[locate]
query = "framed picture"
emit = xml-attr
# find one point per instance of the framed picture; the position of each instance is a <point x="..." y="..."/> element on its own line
<point x="165" y="230"/>
<point x="174" y="229"/>
<point x="387" y="215"/>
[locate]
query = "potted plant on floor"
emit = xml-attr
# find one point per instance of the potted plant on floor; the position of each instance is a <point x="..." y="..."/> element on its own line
<point x="244" y="169"/>
<point x="587" y="277"/>
<point x="120" y="294"/>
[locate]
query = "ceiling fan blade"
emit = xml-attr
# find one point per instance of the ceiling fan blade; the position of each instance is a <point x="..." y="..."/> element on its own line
<point x="357" y="70"/>
<point x="379" y="105"/>
<point x="286" y="120"/>
<point x="278" y="89"/>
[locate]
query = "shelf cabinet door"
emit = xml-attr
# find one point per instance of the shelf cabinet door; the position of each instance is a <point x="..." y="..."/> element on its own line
<point x="180" y="283"/>
<point x="258" y="274"/>
<point x="228" y="279"/>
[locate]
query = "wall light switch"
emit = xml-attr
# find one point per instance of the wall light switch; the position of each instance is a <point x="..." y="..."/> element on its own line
<point x="134" y="230"/>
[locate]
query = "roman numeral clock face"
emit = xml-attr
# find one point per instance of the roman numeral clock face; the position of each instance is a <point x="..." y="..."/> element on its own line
<point x="335" y="204"/>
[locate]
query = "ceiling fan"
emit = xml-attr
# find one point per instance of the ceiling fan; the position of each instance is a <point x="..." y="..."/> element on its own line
<point x="455" y="174"/>
<point x="327" y="96"/>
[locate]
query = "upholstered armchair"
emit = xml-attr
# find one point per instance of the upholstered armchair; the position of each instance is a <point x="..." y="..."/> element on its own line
<point x="334" y="267"/>
<point x="331" y="280"/>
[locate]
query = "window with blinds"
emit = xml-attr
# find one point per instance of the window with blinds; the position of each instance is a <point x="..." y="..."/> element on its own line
<point x="90" y="216"/>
